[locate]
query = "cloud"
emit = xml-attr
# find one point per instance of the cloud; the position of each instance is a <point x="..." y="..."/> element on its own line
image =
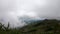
<point x="11" y="9"/>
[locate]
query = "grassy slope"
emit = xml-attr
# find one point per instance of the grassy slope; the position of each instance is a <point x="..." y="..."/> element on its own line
<point x="44" y="27"/>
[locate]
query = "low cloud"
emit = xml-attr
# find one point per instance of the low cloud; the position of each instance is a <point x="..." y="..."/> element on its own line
<point x="11" y="9"/>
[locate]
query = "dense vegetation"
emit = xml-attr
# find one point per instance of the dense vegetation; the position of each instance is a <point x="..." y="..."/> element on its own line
<point x="40" y="27"/>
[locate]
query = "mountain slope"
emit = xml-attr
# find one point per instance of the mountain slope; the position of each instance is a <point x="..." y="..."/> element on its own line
<point x="42" y="27"/>
<point x="46" y="26"/>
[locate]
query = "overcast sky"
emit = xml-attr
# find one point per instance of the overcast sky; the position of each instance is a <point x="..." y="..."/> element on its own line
<point x="10" y="9"/>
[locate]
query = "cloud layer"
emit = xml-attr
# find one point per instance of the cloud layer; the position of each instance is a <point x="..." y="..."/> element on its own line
<point x="11" y="9"/>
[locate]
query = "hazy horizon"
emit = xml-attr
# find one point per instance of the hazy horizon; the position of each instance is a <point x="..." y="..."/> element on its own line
<point x="10" y="10"/>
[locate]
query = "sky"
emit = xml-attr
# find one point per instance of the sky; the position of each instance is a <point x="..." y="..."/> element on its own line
<point x="10" y="10"/>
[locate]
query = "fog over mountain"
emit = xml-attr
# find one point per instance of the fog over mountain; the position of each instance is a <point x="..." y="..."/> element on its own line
<point x="12" y="10"/>
<point x="28" y="19"/>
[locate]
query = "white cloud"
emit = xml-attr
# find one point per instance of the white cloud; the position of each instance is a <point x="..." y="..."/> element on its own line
<point x="10" y="9"/>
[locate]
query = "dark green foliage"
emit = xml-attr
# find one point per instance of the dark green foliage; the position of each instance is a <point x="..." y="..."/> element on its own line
<point x="40" y="27"/>
<point x="47" y="26"/>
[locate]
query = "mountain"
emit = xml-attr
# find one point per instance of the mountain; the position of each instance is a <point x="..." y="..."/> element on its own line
<point x="47" y="26"/>
<point x="29" y="20"/>
<point x="50" y="26"/>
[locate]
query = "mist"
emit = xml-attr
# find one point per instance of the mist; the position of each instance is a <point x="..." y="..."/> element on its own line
<point x="10" y="10"/>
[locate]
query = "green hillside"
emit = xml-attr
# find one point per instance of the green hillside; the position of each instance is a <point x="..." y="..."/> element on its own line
<point x="46" y="26"/>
